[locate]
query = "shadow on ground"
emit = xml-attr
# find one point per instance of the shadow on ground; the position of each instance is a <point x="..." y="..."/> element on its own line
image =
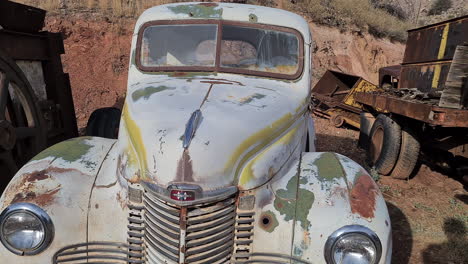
<point x="454" y="250"/>
<point x="346" y="146"/>
<point x="401" y="234"/>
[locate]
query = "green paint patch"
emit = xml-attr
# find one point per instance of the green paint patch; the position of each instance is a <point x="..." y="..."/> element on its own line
<point x="294" y="202"/>
<point x="198" y="10"/>
<point x="251" y="98"/>
<point x="146" y="93"/>
<point x="304" y="204"/>
<point x="70" y="150"/>
<point x="268" y="221"/>
<point x="297" y="251"/>
<point x="253" y="18"/>
<point x="133" y="58"/>
<point x="329" y="167"/>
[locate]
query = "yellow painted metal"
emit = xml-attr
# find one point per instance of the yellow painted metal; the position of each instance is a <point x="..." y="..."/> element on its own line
<point x="361" y="86"/>
<point x="247" y="173"/>
<point x="134" y="134"/>
<point x="440" y="55"/>
<point x="264" y="136"/>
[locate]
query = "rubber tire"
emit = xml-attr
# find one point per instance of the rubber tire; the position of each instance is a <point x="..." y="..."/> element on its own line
<point x="387" y="159"/>
<point x="408" y="157"/>
<point x="104" y="122"/>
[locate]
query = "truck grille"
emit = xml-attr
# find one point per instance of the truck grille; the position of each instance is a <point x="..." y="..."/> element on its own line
<point x="202" y="233"/>
<point x="97" y="252"/>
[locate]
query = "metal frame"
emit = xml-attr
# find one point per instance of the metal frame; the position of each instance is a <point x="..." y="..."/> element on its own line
<point x="217" y="67"/>
<point x="427" y="113"/>
<point x="37" y="212"/>
<point x="351" y="229"/>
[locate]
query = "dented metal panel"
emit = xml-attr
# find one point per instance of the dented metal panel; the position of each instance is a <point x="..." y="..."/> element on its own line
<point x="343" y="194"/>
<point x="59" y="180"/>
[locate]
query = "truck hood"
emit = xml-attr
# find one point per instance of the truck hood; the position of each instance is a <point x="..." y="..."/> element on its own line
<point x="239" y="118"/>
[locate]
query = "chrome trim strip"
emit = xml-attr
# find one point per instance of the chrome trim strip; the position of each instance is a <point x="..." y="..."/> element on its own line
<point x="120" y="252"/>
<point x="191" y="127"/>
<point x="260" y="257"/>
<point x="350" y="229"/>
<point x="201" y="196"/>
<point x="35" y="210"/>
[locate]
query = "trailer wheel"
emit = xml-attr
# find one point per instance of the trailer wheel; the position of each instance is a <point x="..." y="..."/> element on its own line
<point x="22" y="129"/>
<point x="104" y="122"/>
<point x="337" y="120"/>
<point x="408" y="157"/>
<point x="384" y="144"/>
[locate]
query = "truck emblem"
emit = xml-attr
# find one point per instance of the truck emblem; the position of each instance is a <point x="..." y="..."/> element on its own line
<point x="180" y="195"/>
<point x="191" y="127"/>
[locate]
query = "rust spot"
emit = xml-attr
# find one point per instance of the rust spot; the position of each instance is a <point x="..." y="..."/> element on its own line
<point x="37" y="176"/>
<point x="121" y="200"/>
<point x="268" y="221"/>
<point x="42" y="200"/>
<point x="363" y="195"/>
<point x="96" y="206"/>
<point x="279" y="205"/>
<point x="215" y="82"/>
<point x="184" y="168"/>
<point x="208" y="4"/>
<point x="179" y="74"/>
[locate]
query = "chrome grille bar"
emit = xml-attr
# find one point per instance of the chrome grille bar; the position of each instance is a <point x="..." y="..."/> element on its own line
<point x="197" y="233"/>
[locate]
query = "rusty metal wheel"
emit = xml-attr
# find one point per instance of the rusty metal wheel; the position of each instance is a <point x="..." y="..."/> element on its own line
<point x="337" y="120"/>
<point x="22" y="130"/>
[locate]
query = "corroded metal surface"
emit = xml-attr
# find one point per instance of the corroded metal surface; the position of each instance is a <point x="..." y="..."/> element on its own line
<point x="334" y="97"/>
<point x="429" y="53"/>
<point x="435" y="42"/>
<point x="59" y="180"/>
<point x="414" y="109"/>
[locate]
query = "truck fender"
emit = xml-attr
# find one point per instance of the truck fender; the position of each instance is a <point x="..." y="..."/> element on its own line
<point x="342" y="194"/>
<point x="59" y="180"/>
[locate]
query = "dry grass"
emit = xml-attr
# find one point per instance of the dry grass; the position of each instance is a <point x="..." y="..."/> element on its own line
<point x="119" y="8"/>
<point x="361" y="13"/>
<point x="340" y="13"/>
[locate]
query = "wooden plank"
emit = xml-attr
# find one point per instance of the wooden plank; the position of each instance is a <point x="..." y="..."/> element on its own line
<point x="457" y="75"/>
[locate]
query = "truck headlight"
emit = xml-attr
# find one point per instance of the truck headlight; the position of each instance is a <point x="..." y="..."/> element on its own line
<point x="353" y="244"/>
<point x="25" y="229"/>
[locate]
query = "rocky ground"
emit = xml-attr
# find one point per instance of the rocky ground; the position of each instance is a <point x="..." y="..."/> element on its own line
<point x="429" y="212"/>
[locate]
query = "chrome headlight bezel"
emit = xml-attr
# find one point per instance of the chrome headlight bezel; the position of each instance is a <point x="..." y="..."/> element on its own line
<point x="40" y="214"/>
<point x="351" y="229"/>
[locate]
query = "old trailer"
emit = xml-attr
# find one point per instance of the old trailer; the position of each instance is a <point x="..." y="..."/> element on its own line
<point x="427" y="111"/>
<point x="333" y="97"/>
<point x="36" y="104"/>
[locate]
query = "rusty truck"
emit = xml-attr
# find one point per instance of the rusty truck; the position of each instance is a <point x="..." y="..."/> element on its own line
<point x="427" y="111"/>
<point x="418" y="111"/>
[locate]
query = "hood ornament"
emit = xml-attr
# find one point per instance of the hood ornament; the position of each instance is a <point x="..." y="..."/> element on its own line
<point x="191" y="127"/>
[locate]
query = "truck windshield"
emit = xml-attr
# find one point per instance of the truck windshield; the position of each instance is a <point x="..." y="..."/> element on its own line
<point x="259" y="50"/>
<point x="179" y="45"/>
<point x="255" y="50"/>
